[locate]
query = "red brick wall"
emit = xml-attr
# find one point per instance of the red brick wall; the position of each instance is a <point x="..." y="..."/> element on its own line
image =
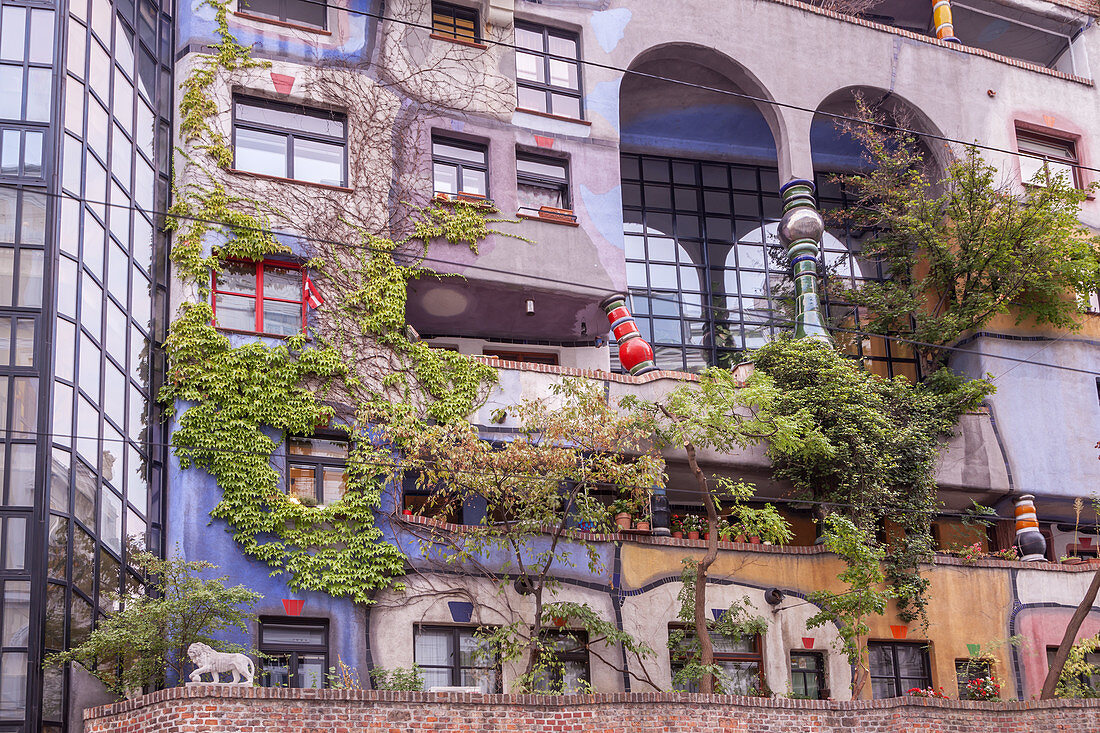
<point x="227" y="709"/>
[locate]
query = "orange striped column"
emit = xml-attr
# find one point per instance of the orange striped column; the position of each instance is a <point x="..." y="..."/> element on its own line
<point x="941" y="18"/>
<point x="1030" y="542"/>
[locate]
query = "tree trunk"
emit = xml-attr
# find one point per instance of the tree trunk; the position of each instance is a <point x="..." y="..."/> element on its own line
<point x="861" y="673"/>
<point x="1083" y="608"/>
<point x="702" y="633"/>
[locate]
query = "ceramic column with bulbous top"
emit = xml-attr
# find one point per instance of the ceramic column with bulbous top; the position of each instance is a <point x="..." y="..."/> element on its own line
<point x="1029" y="540"/>
<point x="800" y="232"/>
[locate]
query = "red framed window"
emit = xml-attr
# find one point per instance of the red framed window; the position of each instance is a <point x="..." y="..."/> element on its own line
<point x="261" y="297"/>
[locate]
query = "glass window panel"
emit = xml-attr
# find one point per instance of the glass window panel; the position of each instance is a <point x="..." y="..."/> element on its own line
<point x="5" y="341"/>
<point x="3" y="403"/>
<point x="24" y="412"/>
<point x="114" y="397"/>
<point x="311" y="670"/>
<point x="236" y="277"/>
<point x="528" y="38"/>
<point x="302" y="481"/>
<point x="32" y="225"/>
<point x="21" y="463"/>
<point x="435" y="647"/>
<point x="66" y="291"/>
<point x="146" y="130"/>
<point x="530" y="67"/>
<point x="475" y="182"/>
<point x="13" y="684"/>
<point x="15" y="543"/>
<point x="89" y="367"/>
<point x="562" y="46"/>
<point x="59" y="482"/>
<point x="123" y="100"/>
<point x="136" y="488"/>
<point x="565" y="105"/>
<point x="39" y="94"/>
<point x="542" y="168"/>
<point x="80" y="618"/>
<point x="283" y="319"/>
<point x="317" y="447"/>
<point x="564" y="74"/>
<point x="533" y="196"/>
<point x="110" y="516"/>
<point x="10" y="155"/>
<point x="135" y="534"/>
<point x="32" y="153"/>
<point x="261" y="152"/>
<point x="115" y="341"/>
<point x="40" y="46"/>
<point x="319" y="124"/>
<point x="292" y="635"/>
<point x="124" y="47"/>
<point x="55" y="616"/>
<point x="62" y="413"/>
<point x="77" y="41"/>
<point x="319" y="162"/>
<point x="11" y="86"/>
<point x="12" y="32"/>
<point x="533" y="99"/>
<point x="17" y="612"/>
<point x="109" y="581"/>
<point x="121" y="162"/>
<point x="30" y="278"/>
<point x="445" y="177"/>
<point x="87" y="431"/>
<point x="8" y="199"/>
<point x="282" y="283"/>
<point x="235" y="312"/>
<point x="335" y="483"/>
<point x="85" y="484"/>
<point x="140" y="306"/>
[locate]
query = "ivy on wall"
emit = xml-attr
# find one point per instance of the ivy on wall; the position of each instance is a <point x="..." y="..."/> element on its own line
<point x="237" y="402"/>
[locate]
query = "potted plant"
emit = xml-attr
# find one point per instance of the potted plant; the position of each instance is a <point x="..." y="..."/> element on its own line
<point x="622" y="510"/>
<point x="764" y="524"/>
<point x="677" y="526"/>
<point x="983" y="688"/>
<point x="692" y="524"/>
<point x="642" y="524"/>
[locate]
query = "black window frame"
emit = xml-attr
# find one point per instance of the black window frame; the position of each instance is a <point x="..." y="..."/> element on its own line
<point x="756" y="656"/>
<point x="525" y="178"/>
<point x="577" y="654"/>
<point x="456" y="668"/>
<point x="967" y="669"/>
<point x="291" y="134"/>
<point x="245" y="7"/>
<point x="458" y="163"/>
<point x="316" y="462"/>
<point x="1093" y="658"/>
<point x="1042" y="138"/>
<point x="292" y="652"/>
<point x="818" y="673"/>
<point x="546" y="87"/>
<point x="901" y="688"/>
<point x="450" y="30"/>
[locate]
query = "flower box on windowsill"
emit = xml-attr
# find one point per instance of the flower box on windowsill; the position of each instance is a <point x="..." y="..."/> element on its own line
<point x="473" y="199"/>
<point x="550" y="214"/>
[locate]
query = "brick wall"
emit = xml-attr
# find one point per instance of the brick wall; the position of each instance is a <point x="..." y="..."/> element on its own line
<point x="228" y="709"/>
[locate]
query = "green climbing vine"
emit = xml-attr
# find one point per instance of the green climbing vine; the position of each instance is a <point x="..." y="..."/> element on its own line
<point x="236" y="402"/>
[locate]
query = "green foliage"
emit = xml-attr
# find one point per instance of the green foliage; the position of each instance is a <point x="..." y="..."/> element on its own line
<point x="409" y="679"/>
<point x="876" y="445"/>
<point x="864" y="597"/>
<point x="145" y="642"/>
<point x="965" y="247"/>
<point x="1078" y="674"/>
<point x="764" y="522"/>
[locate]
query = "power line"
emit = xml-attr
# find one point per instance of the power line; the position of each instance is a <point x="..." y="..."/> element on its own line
<point x="707" y="88"/>
<point x="594" y="289"/>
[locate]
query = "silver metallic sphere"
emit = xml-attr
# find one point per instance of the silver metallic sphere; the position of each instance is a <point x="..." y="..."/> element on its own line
<point x="802" y="222"/>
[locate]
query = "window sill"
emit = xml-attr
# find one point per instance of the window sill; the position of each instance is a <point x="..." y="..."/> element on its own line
<point x="459" y="41"/>
<point x="569" y="220"/>
<point x="280" y="179"/>
<point x="283" y="23"/>
<point x="450" y="199"/>
<point x="563" y="118"/>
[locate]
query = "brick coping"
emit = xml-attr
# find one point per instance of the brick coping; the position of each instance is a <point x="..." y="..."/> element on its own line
<point x="237" y="692"/>
<point x="961" y="48"/>
<point x="660" y="541"/>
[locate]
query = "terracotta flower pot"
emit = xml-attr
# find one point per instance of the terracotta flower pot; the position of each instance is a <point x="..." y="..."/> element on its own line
<point x="739" y="538"/>
<point x="644" y="526"/>
<point x="754" y="540"/>
<point x="693" y="535"/>
<point x="677" y="535"/>
<point x="623" y="520"/>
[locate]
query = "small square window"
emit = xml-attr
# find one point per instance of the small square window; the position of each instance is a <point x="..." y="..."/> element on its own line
<point x="542" y="181"/>
<point x="303" y="12"/>
<point x="740" y="662"/>
<point x="261" y="297"/>
<point x="316" y="468"/>
<point x="897" y="668"/>
<point x="288" y="141"/>
<point x="1045" y="153"/>
<point x="452" y="656"/>
<point x="460" y="167"/>
<point x="457" y="23"/>
<point x="566" y="663"/>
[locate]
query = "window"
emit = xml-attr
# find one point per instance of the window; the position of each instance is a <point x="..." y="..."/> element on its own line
<point x="542" y="181"/>
<point x="315" y="469"/>
<point x="1090" y="681"/>
<point x="808" y="674"/>
<point x="897" y="668"/>
<point x="26" y="52"/>
<point x="567" y="672"/>
<point x="548" y="70"/>
<point x="451" y="21"/>
<point x="449" y="657"/>
<point x="1057" y="156"/>
<point x="303" y="12"/>
<point x="741" y="662"/>
<point x="967" y="670"/>
<point x="296" y="653"/>
<point x="525" y="357"/>
<point x="261" y="297"/>
<point x="460" y="167"/>
<point x="287" y="141"/>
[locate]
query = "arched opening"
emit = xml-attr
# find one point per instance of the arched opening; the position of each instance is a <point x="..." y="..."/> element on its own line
<point x="845" y="265"/>
<point x="700" y="197"/>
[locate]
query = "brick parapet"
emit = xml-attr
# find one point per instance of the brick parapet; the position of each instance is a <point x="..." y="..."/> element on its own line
<point x="224" y="708"/>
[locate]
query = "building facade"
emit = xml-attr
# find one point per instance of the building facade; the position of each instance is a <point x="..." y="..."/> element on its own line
<point x="641" y="148"/>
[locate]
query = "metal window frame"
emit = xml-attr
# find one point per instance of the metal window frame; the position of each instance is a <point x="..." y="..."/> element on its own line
<point x="258" y="296"/>
<point x="461" y="165"/>
<point x="756" y="656"/>
<point x="292" y="651"/>
<point x="579" y="654"/>
<point x="282" y="17"/>
<point x="895" y="678"/>
<point x="291" y="134"/>
<point x="456" y="668"/>
<point x="318" y="463"/>
<point x="454" y="12"/>
<point x="546" y="182"/>
<point x="967" y="669"/>
<point x="819" y="673"/>
<point x="546" y="87"/>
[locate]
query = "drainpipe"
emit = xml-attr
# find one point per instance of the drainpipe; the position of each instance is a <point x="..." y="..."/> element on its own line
<point x="800" y="232"/>
<point x="941" y="18"/>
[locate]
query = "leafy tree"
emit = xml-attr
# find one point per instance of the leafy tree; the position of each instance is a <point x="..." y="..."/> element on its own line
<point x="962" y="247"/>
<point x="864" y="597"/>
<point x="538" y="488"/>
<point x="145" y="643"/>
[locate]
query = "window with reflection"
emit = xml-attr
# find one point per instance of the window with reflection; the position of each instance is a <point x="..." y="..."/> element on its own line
<point x="548" y="70"/>
<point x="260" y="297"/>
<point x="1046" y="155"/>
<point x="542" y="181"/>
<point x="302" y="12"/>
<point x="316" y="469"/>
<point x="289" y="141"/>
<point x="452" y="656"/>
<point x="26" y="53"/>
<point x="897" y="668"/>
<point x="460" y="167"/>
<point x="295" y="653"/>
<point x="740" y="662"/>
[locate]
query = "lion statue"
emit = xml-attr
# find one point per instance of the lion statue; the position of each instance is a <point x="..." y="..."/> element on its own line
<point x="215" y="662"/>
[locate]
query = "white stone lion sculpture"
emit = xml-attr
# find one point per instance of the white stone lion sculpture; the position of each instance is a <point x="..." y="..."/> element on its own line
<point x="215" y="662"/>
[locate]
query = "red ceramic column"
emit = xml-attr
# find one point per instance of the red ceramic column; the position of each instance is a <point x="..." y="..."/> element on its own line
<point x="635" y="353"/>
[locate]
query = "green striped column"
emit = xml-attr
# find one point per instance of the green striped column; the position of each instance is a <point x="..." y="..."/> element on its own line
<point x="800" y="232"/>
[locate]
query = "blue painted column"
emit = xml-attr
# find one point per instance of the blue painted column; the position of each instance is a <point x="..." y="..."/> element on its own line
<point x="800" y="232"/>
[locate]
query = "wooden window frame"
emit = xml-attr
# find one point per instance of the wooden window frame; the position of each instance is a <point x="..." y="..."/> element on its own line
<point x="258" y="296"/>
<point x="899" y="688"/>
<point x="450" y="31"/>
<point x="316" y="462"/>
<point x="456" y="668"/>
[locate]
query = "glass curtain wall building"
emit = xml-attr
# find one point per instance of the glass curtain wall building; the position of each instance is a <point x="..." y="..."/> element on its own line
<point x="84" y="149"/>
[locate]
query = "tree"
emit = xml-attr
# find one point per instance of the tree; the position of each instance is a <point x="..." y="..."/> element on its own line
<point x="144" y="644"/>
<point x="537" y="488"/>
<point x="720" y="414"/>
<point x="864" y="597"/>
<point x="960" y="248"/>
